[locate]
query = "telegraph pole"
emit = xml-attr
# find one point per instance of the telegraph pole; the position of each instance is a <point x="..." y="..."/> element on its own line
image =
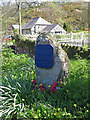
<point x="20" y="31"/>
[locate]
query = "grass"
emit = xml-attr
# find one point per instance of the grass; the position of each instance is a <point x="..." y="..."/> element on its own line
<point x="22" y="99"/>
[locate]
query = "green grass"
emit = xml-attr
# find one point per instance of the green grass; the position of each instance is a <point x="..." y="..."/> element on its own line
<point x="22" y="100"/>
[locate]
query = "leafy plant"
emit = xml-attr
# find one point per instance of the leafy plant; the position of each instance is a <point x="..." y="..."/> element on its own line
<point x="11" y="102"/>
<point x="22" y="98"/>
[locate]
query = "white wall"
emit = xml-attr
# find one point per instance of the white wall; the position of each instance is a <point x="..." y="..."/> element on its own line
<point x="37" y="28"/>
<point x="58" y="29"/>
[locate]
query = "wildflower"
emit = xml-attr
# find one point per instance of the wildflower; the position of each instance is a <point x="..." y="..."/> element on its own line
<point x="21" y="75"/>
<point x="87" y="111"/>
<point x="55" y="113"/>
<point x="33" y="81"/>
<point x="35" y="116"/>
<point x="49" y="85"/>
<point x="40" y="84"/>
<point x="53" y="89"/>
<point x="68" y="113"/>
<point x="41" y="87"/>
<point x="87" y="104"/>
<point x="84" y="107"/>
<point x="32" y="90"/>
<point x="55" y="83"/>
<point x="13" y="103"/>
<point x="32" y="109"/>
<point x="67" y="91"/>
<point x="58" y="109"/>
<point x="36" y="85"/>
<point x="75" y="105"/>
<point x="32" y="72"/>
<point x="74" y="116"/>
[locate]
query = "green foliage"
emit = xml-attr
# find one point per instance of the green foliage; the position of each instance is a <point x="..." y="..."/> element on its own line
<point x="75" y="14"/>
<point x="11" y="101"/>
<point x="67" y="27"/>
<point x="15" y="30"/>
<point x="72" y="51"/>
<point x="21" y="99"/>
<point x="22" y="42"/>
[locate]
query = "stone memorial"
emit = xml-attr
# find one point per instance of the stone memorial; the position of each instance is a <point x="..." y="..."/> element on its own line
<point x="51" y="61"/>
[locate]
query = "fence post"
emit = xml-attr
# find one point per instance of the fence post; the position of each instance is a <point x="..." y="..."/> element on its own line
<point x="71" y="35"/>
<point x="82" y="40"/>
<point x="76" y="40"/>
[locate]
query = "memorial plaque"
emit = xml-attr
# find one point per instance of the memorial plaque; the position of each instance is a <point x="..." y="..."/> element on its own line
<point x="44" y="56"/>
<point x="52" y="62"/>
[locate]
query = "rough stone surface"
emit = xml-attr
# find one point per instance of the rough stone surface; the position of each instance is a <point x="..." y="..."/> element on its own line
<point x="61" y="65"/>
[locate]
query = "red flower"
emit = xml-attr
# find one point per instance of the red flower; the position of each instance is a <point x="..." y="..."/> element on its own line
<point x="53" y="89"/>
<point x="33" y="81"/>
<point x="41" y="87"/>
<point x="55" y="84"/>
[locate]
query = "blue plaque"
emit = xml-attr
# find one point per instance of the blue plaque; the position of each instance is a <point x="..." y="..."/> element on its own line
<point x="44" y="56"/>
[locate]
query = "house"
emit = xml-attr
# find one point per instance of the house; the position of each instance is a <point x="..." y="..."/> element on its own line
<point x="34" y="26"/>
<point x="38" y="24"/>
<point x="54" y="28"/>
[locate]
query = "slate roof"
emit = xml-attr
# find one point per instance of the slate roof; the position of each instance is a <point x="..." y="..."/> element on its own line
<point x="34" y="21"/>
<point x="48" y="28"/>
<point x="30" y="24"/>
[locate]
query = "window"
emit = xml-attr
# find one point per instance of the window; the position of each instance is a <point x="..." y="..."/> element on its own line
<point x="58" y="31"/>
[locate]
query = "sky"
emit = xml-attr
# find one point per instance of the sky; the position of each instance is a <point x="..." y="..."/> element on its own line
<point x="41" y="0"/>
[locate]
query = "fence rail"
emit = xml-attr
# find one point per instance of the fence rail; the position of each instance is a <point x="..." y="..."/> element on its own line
<point x="74" y="39"/>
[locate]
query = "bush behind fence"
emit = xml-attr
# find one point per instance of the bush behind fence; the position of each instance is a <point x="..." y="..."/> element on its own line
<point x="28" y="47"/>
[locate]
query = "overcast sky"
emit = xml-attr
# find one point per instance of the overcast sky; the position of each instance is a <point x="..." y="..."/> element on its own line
<point x="42" y="0"/>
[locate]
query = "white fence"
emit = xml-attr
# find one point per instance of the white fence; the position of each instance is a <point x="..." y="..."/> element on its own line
<point x="74" y="39"/>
